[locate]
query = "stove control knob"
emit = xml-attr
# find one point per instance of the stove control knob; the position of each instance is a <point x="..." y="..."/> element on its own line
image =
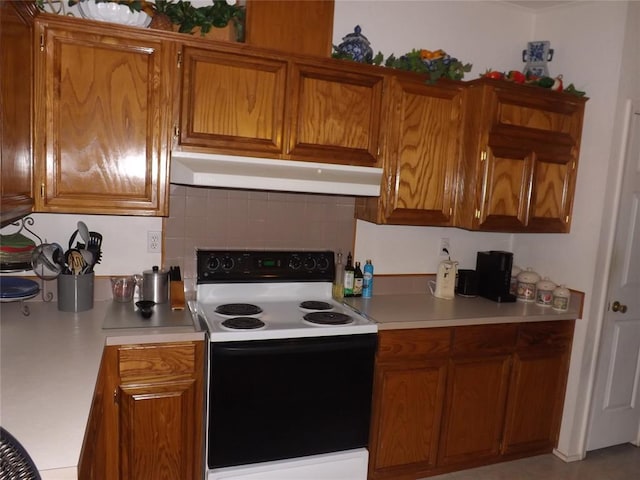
<point x="214" y="263"/>
<point x="227" y="263"/>
<point x="295" y="263"/>
<point x="323" y="263"/>
<point x="309" y="263"/>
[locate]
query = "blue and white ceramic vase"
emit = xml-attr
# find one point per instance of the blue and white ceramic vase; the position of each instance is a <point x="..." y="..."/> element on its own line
<point x="356" y="46"/>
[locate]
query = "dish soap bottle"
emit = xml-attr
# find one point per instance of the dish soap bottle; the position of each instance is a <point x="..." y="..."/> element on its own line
<point x="358" y="280"/>
<point x="367" y="284"/>
<point x="338" y="284"/>
<point x="349" y="273"/>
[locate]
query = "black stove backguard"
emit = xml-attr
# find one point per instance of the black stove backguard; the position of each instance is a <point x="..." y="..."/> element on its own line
<point x="238" y="266"/>
<point x="288" y="398"/>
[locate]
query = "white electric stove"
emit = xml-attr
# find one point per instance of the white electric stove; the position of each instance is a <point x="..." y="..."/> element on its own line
<point x="290" y="368"/>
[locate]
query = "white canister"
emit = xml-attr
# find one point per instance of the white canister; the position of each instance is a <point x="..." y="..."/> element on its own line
<point x="527" y="280"/>
<point x="544" y="292"/>
<point x="513" y="285"/>
<point x="561" y="297"/>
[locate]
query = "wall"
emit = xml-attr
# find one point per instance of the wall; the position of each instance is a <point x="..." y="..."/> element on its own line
<point x="242" y="219"/>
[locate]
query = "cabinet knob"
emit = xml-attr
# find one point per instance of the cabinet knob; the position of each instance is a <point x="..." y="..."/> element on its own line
<point x="618" y="307"/>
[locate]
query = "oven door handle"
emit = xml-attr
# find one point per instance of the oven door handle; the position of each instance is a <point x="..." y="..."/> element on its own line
<point x="295" y="345"/>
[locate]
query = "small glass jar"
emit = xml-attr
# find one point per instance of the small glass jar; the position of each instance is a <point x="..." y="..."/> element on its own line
<point x="544" y="292"/>
<point x="527" y="285"/>
<point x="513" y="285"/>
<point x="561" y="298"/>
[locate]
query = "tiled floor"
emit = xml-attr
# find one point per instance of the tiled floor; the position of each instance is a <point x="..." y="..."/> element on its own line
<point x="621" y="462"/>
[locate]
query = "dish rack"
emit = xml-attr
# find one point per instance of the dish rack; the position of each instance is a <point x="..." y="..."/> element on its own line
<point x="21" y="262"/>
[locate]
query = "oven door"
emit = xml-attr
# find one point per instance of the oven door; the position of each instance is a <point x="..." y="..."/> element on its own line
<point x="288" y="398"/>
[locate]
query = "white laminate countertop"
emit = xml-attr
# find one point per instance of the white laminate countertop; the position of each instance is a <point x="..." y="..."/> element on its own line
<point x="49" y="364"/>
<point x="392" y="312"/>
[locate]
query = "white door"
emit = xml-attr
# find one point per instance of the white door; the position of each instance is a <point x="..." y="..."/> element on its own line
<point x="615" y="411"/>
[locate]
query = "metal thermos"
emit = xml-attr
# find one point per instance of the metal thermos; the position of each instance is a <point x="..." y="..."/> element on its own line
<point x="155" y="285"/>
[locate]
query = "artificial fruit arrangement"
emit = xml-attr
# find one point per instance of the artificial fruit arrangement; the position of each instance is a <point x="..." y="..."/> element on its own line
<point x="556" y="84"/>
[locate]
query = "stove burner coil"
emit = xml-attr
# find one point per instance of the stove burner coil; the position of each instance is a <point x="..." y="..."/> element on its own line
<point x="238" y="309"/>
<point x="243" y="323"/>
<point x="315" y="305"/>
<point x="328" y="318"/>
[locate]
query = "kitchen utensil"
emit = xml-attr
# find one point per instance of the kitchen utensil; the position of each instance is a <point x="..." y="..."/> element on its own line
<point x="75" y="261"/>
<point x="84" y="231"/>
<point x="47" y="260"/>
<point x="122" y="288"/>
<point x="155" y="285"/>
<point x="145" y="307"/>
<point x="94" y="245"/>
<point x="89" y="259"/>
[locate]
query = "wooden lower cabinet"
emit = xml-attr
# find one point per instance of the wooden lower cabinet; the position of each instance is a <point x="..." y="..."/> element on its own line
<point x="146" y="419"/>
<point x="537" y="386"/>
<point x="447" y="399"/>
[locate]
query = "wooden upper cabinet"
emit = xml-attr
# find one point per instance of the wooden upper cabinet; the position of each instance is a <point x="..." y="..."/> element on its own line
<point x="295" y="26"/>
<point x="16" y="101"/>
<point x="335" y="113"/>
<point x="102" y="118"/>
<point x="421" y="155"/>
<point x="521" y="148"/>
<point x="232" y="103"/>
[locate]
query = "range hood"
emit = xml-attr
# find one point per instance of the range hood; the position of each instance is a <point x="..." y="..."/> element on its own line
<point x="200" y="169"/>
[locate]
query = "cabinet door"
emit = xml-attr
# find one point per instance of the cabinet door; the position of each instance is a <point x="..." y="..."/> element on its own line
<point x="232" y="103"/>
<point x="476" y="394"/>
<point x="295" y="26"/>
<point x="409" y="387"/>
<point x="103" y="118"/>
<point x="335" y="114"/>
<point x="16" y="78"/>
<point x="158" y="425"/>
<point x="474" y="417"/>
<point x="422" y="153"/>
<point x="537" y="388"/>
<point x="521" y="155"/>
<point x="409" y="401"/>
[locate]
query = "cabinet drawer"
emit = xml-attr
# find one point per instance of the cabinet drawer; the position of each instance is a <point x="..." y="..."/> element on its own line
<point x="484" y="339"/>
<point x="545" y="335"/>
<point x="414" y="343"/>
<point x="141" y="363"/>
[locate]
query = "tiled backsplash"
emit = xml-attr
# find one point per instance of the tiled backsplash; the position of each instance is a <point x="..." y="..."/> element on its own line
<point x="246" y="219"/>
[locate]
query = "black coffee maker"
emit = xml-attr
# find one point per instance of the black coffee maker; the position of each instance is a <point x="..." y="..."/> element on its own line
<point x="493" y="269"/>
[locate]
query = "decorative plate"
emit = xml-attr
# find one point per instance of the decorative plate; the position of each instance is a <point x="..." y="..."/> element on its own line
<point x="114" y="13"/>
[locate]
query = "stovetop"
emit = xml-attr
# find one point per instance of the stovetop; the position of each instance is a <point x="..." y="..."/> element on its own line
<point x="277" y="283"/>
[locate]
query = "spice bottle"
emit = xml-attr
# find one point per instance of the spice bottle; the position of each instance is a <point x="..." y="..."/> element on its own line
<point x="338" y="284"/>
<point x="349" y="272"/>
<point x="358" y="280"/>
<point x="367" y="284"/>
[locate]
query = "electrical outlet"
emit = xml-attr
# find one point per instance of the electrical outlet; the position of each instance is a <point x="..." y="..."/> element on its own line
<point x="444" y="247"/>
<point x="154" y="242"/>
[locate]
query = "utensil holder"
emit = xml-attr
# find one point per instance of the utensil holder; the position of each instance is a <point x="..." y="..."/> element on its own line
<point x="75" y="292"/>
